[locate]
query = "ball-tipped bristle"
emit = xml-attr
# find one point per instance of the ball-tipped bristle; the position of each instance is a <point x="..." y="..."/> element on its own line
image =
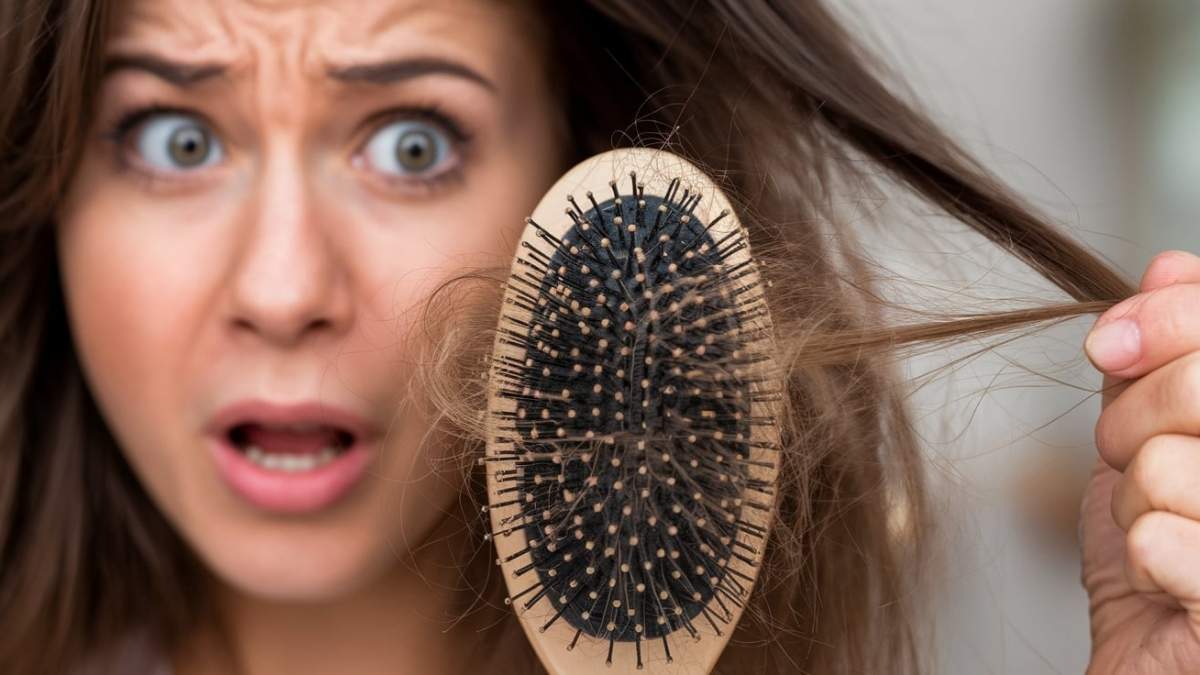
<point x="631" y="381"/>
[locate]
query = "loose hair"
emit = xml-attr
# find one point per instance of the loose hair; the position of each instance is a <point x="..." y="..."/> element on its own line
<point x="779" y="104"/>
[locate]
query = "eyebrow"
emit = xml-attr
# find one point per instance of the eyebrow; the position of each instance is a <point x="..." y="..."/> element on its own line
<point x="395" y="70"/>
<point x="179" y="74"/>
<point x="391" y="71"/>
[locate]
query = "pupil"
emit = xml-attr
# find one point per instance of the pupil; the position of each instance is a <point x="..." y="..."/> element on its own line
<point x="415" y="150"/>
<point x="189" y="146"/>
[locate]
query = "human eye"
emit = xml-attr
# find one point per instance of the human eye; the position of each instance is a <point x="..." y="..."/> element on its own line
<point x="420" y="147"/>
<point x="166" y="141"/>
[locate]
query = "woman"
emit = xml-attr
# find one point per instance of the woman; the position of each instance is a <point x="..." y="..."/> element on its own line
<point x="222" y="224"/>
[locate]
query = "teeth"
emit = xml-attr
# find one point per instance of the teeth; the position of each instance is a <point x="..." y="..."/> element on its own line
<point x="288" y="463"/>
<point x="299" y="427"/>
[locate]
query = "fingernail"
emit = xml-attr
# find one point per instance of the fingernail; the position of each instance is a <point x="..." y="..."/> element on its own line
<point x="1115" y="345"/>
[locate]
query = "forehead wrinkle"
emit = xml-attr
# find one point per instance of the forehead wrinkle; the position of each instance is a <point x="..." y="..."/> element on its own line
<point x="240" y="34"/>
<point x="266" y="40"/>
<point x="139" y="18"/>
<point x="396" y="14"/>
<point x="445" y="31"/>
<point x="279" y="57"/>
<point x="268" y="51"/>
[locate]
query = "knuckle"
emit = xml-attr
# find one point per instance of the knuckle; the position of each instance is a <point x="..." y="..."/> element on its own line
<point x="1182" y="389"/>
<point x="1165" y="318"/>
<point x="1155" y="466"/>
<point x="1155" y="461"/>
<point x="1141" y="540"/>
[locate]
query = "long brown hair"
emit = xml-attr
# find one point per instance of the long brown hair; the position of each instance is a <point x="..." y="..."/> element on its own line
<point x="780" y="105"/>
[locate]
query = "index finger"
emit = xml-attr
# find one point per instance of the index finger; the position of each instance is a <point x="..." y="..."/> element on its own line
<point x="1153" y="327"/>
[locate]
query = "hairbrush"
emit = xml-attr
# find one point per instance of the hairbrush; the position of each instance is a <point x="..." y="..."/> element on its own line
<point x="632" y="419"/>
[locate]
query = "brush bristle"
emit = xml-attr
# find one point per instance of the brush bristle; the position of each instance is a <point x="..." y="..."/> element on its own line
<point x="637" y="355"/>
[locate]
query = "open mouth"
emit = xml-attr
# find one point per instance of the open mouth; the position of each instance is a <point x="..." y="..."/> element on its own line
<point x="290" y="448"/>
<point x="291" y="458"/>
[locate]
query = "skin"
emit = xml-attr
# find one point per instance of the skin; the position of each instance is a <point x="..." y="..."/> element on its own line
<point x="1141" y="514"/>
<point x="288" y="268"/>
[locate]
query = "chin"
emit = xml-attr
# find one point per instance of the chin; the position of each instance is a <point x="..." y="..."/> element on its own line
<point x="294" y="562"/>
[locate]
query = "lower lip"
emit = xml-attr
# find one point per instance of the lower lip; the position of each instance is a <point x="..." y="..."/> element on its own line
<point x="295" y="492"/>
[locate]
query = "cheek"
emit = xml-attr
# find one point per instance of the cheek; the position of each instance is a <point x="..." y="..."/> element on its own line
<point x="128" y="299"/>
<point x="138" y="282"/>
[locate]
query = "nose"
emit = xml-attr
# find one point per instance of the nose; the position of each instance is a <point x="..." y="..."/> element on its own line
<point x="288" y="285"/>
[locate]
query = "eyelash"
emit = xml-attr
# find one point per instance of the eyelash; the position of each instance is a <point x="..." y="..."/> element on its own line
<point x="118" y="134"/>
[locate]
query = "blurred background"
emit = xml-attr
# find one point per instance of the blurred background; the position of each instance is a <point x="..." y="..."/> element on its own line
<point x="1089" y="108"/>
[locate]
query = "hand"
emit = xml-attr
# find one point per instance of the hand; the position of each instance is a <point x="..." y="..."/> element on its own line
<point x="1141" y="513"/>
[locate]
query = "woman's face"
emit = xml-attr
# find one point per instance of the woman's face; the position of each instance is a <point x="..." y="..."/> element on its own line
<point x="269" y="191"/>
